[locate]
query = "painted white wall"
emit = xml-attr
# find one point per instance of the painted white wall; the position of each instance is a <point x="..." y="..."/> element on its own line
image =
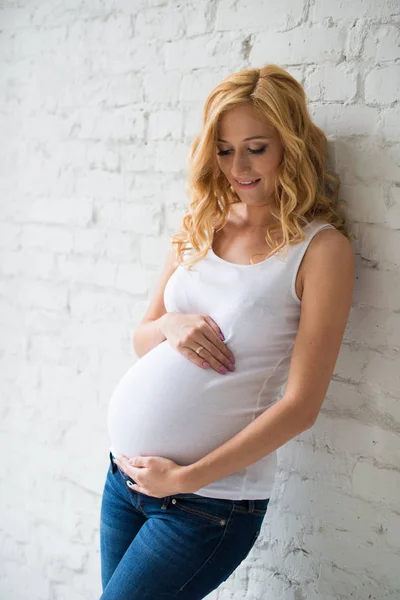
<point x="99" y="103"/>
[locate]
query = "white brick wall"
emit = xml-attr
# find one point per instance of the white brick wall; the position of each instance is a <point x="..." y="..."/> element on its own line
<point x="99" y="102"/>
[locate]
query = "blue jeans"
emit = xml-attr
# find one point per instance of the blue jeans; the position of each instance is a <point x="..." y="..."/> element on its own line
<point x="181" y="546"/>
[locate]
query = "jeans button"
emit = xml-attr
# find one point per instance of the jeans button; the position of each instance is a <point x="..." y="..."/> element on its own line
<point x="173" y="501"/>
<point x="222" y="522"/>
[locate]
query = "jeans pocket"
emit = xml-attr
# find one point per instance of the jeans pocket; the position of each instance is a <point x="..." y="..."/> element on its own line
<point x="214" y="510"/>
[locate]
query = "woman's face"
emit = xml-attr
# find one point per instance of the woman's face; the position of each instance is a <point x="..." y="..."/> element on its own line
<point x="243" y="160"/>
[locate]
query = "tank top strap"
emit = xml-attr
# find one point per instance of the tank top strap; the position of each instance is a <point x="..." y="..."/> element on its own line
<point x="310" y="230"/>
<point x="299" y="250"/>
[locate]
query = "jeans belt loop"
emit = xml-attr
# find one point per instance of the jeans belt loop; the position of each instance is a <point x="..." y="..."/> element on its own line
<point x="251" y="506"/>
<point x="166" y="502"/>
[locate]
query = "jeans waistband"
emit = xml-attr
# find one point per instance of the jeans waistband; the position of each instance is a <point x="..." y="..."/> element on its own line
<point x="248" y="504"/>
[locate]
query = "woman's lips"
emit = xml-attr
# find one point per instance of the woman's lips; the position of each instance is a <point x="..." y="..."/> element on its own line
<point x="248" y="186"/>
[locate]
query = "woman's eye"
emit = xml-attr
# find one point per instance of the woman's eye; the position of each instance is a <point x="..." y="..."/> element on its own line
<point x="251" y="150"/>
<point x="259" y="151"/>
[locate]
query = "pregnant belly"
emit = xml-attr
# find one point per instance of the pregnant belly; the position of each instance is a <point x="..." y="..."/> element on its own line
<point x="165" y="405"/>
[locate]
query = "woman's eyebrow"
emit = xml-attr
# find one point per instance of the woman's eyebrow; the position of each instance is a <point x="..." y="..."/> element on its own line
<point x="253" y="137"/>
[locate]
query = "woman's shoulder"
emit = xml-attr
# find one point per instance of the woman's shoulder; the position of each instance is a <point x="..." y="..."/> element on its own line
<point x="326" y="241"/>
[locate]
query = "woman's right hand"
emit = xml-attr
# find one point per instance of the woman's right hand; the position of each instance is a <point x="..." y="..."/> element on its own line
<point x="186" y="333"/>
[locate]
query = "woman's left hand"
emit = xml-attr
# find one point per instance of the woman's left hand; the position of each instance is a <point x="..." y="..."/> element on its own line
<point x="153" y="475"/>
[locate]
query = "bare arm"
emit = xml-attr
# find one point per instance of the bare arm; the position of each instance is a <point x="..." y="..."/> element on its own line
<point x="148" y="333"/>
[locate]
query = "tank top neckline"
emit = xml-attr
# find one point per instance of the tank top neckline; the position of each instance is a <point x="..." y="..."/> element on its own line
<point x="240" y="266"/>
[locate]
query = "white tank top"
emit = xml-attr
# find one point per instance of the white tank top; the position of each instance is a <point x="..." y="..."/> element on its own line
<point x="165" y="405"/>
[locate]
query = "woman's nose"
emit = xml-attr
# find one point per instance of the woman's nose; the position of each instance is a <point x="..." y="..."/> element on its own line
<point x="240" y="166"/>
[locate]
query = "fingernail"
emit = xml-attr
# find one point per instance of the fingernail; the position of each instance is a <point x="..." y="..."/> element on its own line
<point x="223" y="369"/>
<point x="205" y="364"/>
<point x="221" y="335"/>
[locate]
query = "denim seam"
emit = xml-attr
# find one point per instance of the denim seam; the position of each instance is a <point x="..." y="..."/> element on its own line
<point x="200" y="513"/>
<point x="209" y="558"/>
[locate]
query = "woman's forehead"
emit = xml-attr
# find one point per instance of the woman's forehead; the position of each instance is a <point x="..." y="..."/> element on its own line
<point x="243" y="122"/>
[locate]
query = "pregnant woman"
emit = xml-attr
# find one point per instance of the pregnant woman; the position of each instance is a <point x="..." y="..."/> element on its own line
<point x="237" y="347"/>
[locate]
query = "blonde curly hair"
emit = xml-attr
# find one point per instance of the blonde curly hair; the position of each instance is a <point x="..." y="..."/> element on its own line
<point x="304" y="191"/>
